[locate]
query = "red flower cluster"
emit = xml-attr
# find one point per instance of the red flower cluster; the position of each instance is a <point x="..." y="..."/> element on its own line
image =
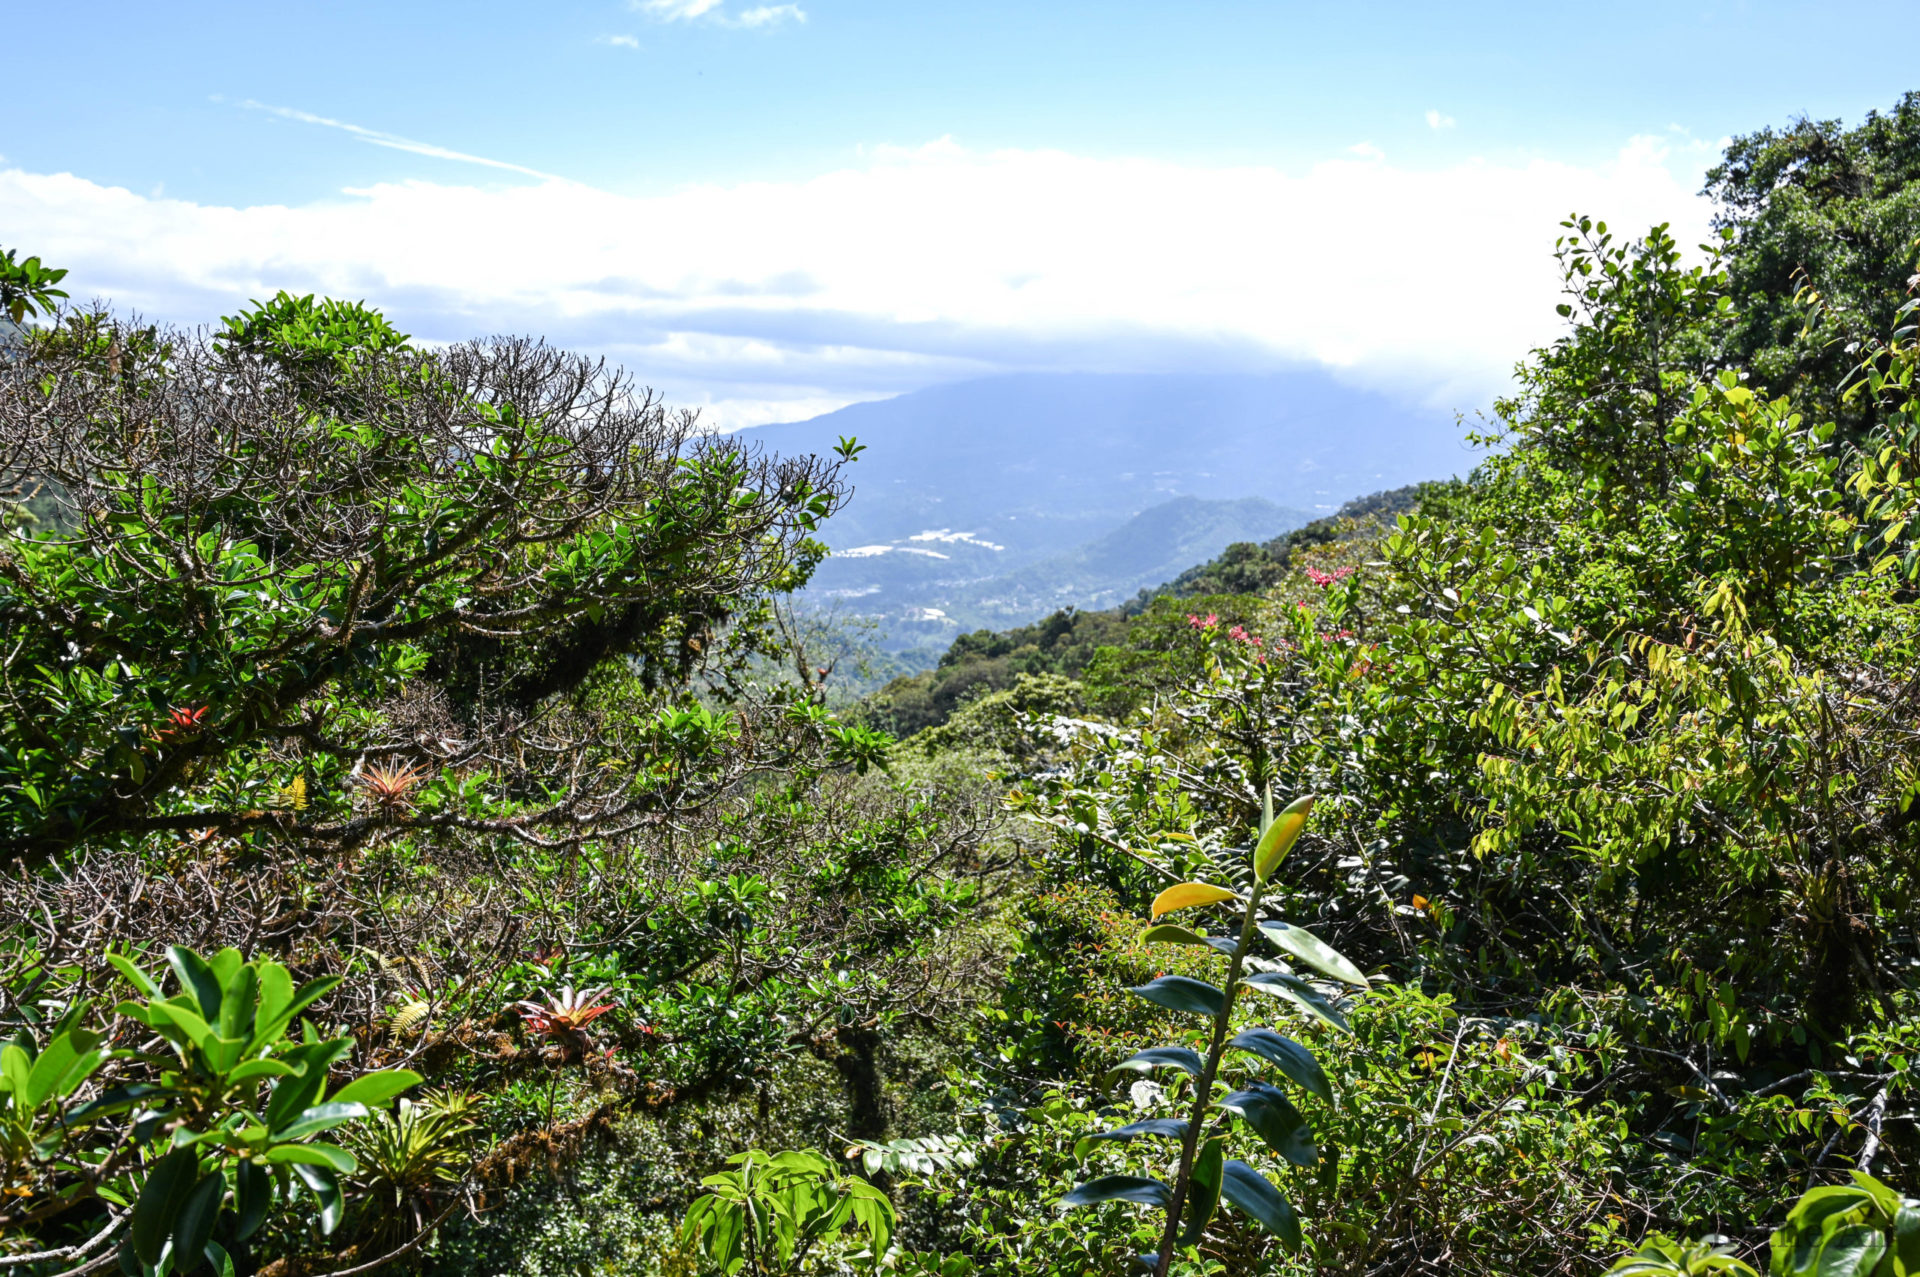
<point x="1206" y="622"/>
<point x="183" y="722"/>
<point x="1324" y="579"/>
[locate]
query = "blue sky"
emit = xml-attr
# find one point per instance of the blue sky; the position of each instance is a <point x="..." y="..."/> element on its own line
<point x="769" y="209"/>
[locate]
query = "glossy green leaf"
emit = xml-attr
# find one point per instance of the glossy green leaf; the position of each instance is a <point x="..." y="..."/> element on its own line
<point x="237" y="1001"/>
<point x="1171" y="933"/>
<point x="16" y="1072"/>
<point x="1249" y="1190"/>
<point x="1280" y="836"/>
<point x="312" y="1155"/>
<point x="179" y="1023"/>
<point x="252" y="1069"/>
<point x="1172" y="1128"/>
<point x="1185" y="1059"/>
<point x="169" y="1181"/>
<point x="220" y="1261"/>
<point x="291" y="1095"/>
<point x="1292" y="1059"/>
<point x="375" y="1088"/>
<point x="1301" y="994"/>
<point x="1268" y="1111"/>
<point x="325" y="1188"/>
<point x="198" y="1214"/>
<point x="113" y="1100"/>
<point x="197" y="978"/>
<point x="135" y="976"/>
<point x="1313" y="951"/>
<point x="1120" y="1188"/>
<point x="267" y="1027"/>
<point x="252" y="1195"/>
<point x="68" y="1061"/>
<point x="225" y="965"/>
<point x="276" y="992"/>
<point x="1203" y="1189"/>
<point x="321" y="1117"/>
<point x="1906" y="1238"/>
<point x="1182" y="993"/>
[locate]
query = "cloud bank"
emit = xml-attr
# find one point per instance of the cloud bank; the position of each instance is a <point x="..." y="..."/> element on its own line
<point x="774" y="301"/>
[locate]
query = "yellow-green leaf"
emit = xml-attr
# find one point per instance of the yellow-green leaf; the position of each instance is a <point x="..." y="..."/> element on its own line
<point x="1280" y="836"/>
<point x="1187" y="895"/>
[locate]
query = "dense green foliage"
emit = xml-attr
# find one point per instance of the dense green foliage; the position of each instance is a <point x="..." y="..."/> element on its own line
<point x="457" y="688"/>
<point x="1822" y="207"/>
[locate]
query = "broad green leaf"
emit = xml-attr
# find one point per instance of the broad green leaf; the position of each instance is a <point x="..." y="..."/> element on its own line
<point x="1906" y="1238"/>
<point x="197" y="1216"/>
<point x="223" y="1053"/>
<point x="172" y="1015"/>
<point x="197" y="978"/>
<point x="1290" y="1057"/>
<point x="321" y="1117"/>
<point x="225" y="965"/>
<point x="1313" y="951"/>
<point x="1172" y="1128"/>
<point x="326" y="1192"/>
<point x="221" y="1262"/>
<point x="1183" y="1058"/>
<point x="1203" y="1189"/>
<point x="115" y="1100"/>
<point x="276" y="992"/>
<point x="1280" y="837"/>
<point x="1170" y="933"/>
<point x="1851" y="1251"/>
<point x="1182" y="993"/>
<point x="1186" y="896"/>
<point x="312" y="1155"/>
<point x="375" y="1088"/>
<point x="237" y="1002"/>
<point x="1120" y="1188"/>
<point x="139" y="979"/>
<point x="252" y="1195"/>
<point x="169" y="1181"/>
<point x="259" y="1068"/>
<point x="1301" y="994"/>
<point x="1268" y="1111"/>
<point x="268" y="1027"/>
<point x="66" y="1063"/>
<point x="16" y="1070"/>
<point x="293" y="1094"/>
<point x="1249" y="1190"/>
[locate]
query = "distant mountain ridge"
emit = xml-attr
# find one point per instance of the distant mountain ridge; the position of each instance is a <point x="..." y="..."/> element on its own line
<point x="964" y="487"/>
<point x="1150" y="548"/>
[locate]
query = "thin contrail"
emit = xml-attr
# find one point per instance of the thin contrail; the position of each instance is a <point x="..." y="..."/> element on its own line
<point x="396" y="142"/>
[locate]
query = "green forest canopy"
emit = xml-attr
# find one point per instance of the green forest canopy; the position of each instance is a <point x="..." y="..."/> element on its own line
<point x="428" y="847"/>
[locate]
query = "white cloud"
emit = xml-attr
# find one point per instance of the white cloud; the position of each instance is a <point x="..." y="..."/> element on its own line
<point x="1435" y="120"/>
<point x="621" y="41"/>
<point x="675" y="10"/>
<point x="393" y="141"/>
<point x="777" y="300"/>
<point x="1366" y="151"/>
<point x="766" y="15"/>
<point x="771" y="14"/>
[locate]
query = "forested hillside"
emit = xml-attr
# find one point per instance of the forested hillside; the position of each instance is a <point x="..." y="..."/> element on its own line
<point x="428" y="844"/>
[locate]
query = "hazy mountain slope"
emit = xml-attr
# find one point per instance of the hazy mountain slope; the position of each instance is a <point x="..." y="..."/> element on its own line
<point x="966" y="484"/>
<point x="1153" y="546"/>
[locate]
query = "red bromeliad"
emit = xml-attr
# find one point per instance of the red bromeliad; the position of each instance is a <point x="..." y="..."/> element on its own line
<point x="563" y="1018"/>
